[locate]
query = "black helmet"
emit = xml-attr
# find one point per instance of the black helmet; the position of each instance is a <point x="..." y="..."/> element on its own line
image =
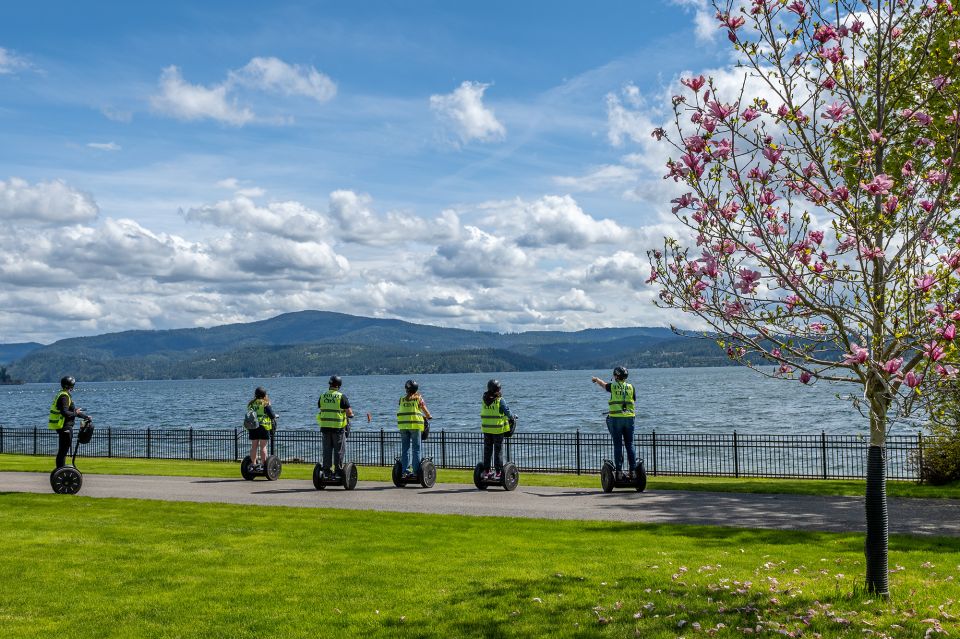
<point x="411" y="386"/>
<point x="260" y="393"/>
<point x="620" y="372"/>
<point x="335" y="381"/>
<point x="493" y="386"/>
<point x="67" y="382"/>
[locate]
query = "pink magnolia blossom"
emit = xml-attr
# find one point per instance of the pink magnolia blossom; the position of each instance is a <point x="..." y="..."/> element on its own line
<point x="772" y="153"/>
<point x="946" y="371"/>
<point x="940" y="82"/>
<point x="695" y="143"/>
<point x="907" y="169"/>
<point x="837" y="111"/>
<point x="857" y="355"/>
<point x="833" y="54"/>
<point x="824" y="33"/>
<point x="767" y="198"/>
<point x="829" y="84"/>
<point x="816" y="237"/>
<point x="893" y="365"/>
<point x="792" y="301"/>
<point x="785" y="369"/>
<point x="925" y="283"/>
<point x="912" y="380"/>
<point x="877" y="137"/>
<point x="709" y="124"/>
<point x="749" y="114"/>
<point x="682" y="202"/>
<point x="693" y="163"/>
<point x="874" y="253"/>
<point x="922" y="118"/>
<point x="798" y="7"/>
<point x="926" y="205"/>
<point x="720" y="111"/>
<point x="819" y="327"/>
<point x="896" y="32"/>
<point x="694" y="83"/>
<point x="777" y="229"/>
<point x="936" y="177"/>
<point x="748" y="281"/>
<point x="922" y="141"/>
<point x="949" y="332"/>
<point x="891" y="204"/>
<point x="856" y="27"/>
<point x="880" y="185"/>
<point x="653" y="276"/>
<point x="722" y="149"/>
<point x="805" y="377"/>
<point x="934" y="351"/>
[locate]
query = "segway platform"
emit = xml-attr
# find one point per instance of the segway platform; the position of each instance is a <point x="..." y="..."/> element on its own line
<point x="610" y="478"/>
<point x="270" y="468"/>
<point x="347" y="477"/>
<point x="67" y="480"/>
<point x="509" y="478"/>
<point x="427" y="476"/>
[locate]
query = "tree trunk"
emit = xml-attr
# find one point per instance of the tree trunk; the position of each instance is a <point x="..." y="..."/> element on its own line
<point x="876" y="547"/>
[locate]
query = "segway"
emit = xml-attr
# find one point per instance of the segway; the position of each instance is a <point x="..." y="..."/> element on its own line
<point x="347" y="477"/>
<point x="67" y="480"/>
<point x="611" y="478"/>
<point x="427" y="476"/>
<point x="509" y="478"/>
<point x="270" y="468"/>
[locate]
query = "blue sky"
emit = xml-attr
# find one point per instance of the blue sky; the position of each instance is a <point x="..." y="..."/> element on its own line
<point x="475" y="165"/>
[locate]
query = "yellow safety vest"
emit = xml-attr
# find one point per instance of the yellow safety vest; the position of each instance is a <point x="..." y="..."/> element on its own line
<point x="621" y="400"/>
<point x="409" y="416"/>
<point x="331" y="415"/>
<point x="57" y="419"/>
<point x="261" y="407"/>
<point x="492" y="421"/>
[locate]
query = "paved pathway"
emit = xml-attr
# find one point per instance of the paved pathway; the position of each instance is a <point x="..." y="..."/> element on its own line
<point x="783" y="512"/>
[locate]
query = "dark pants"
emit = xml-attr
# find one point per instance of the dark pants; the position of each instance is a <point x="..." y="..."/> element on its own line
<point x="333" y="442"/>
<point x="621" y="429"/>
<point x="64" y="439"/>
<point x="493" y="446"/>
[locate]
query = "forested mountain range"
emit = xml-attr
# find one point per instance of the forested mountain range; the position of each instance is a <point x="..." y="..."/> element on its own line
<point x="322" y="343"/>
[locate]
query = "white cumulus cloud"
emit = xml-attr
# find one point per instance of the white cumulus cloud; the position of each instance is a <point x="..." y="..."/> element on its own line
<point x="45" y="202"/>
<point x="104" y="146"/>
<point x="290" y="219"/>
<point x="464" y="112"/>
<point x="276" y="76"/>
<point x="10" y="62"/>
<point x="554" y="220"/>
<point x="185" y="101"/>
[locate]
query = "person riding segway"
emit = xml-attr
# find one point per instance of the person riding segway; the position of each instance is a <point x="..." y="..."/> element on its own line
<point x="261" y="421"/>
<point x="412" y="420"/>
<point x="620" y="424"/>
<point x="496" y="422"/>
<point x="333" y="418"/>
<point x="63" y="414"/>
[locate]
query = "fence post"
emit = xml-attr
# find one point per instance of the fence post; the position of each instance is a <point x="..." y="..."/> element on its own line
<point x="443" y="448"/>
<point x="578" y="451"/>
<point x="148" y="443"/>
<point x="191" y="442"/>
<point x="236" y="445"/>
<point x="34" y="440"/>
<point x="919" y="456"/>
<point x="736" y="456"/>
<point x="1" y="439"/>
<point x="109" y="442"/>
<point x="382" y="451"/>
<point x="654" y="446"/>
<point x="273" y="443"/>
<point x="823" y="451"/>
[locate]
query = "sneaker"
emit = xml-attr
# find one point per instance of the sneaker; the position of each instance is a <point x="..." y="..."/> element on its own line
<point x="497" y="476"/>
<point x="487" y="474"/>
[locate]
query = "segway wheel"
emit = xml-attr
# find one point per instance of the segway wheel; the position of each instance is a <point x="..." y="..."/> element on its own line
<point x="66" y="481"/>
<point x="272" y="467"/>
<point x="606" y="477"/>
<point x="640" y="478"/>
<point x="478" y="478"/>
<point x="245" y="469"/>
<point x="428" y="473"/>
<point x="511" y="476"/>
<point x="397" y="474"/>
<point x="318" y="477"/>
<point x="349" y="476"/>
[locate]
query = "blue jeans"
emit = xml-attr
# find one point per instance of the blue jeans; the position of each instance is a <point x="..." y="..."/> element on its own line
<point x="621" y="429"/>
<point x="410" y="438"/>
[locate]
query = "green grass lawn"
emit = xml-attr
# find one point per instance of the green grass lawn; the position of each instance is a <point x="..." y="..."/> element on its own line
<point x="374" y="473"/>
<point x="81" y="567"/>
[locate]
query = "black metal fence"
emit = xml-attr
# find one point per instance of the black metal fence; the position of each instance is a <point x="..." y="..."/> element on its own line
<point x="717" y="455"/>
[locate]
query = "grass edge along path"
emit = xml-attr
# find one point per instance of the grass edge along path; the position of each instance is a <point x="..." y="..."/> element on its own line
<point x="84" y="567"/>
<point x="184" y="468"/>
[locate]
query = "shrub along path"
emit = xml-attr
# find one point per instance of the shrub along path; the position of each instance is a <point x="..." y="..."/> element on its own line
<point x="782" y="512"/>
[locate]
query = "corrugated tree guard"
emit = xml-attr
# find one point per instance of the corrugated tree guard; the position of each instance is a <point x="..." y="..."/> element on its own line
<point x="877" y="523"/>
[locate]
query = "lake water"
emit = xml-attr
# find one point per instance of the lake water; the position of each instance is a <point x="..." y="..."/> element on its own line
<point x="676" y="400"/>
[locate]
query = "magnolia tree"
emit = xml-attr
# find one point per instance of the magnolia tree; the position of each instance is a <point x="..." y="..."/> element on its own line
<point x="822" y="202"/>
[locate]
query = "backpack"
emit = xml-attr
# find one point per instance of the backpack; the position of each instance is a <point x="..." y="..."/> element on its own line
<point x="251" y="421"/>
